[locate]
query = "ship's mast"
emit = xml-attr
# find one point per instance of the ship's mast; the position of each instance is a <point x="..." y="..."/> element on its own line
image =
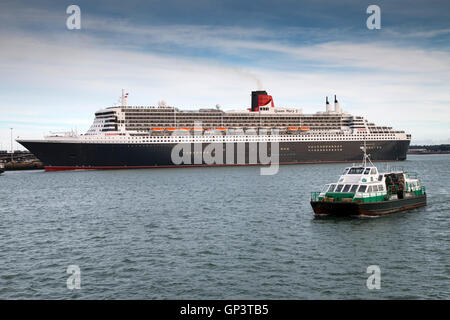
<point x="365" y="155"/>
<point x="123" y="102"/>
<point x="123" y="98"/>
<point x="364" y="150"/>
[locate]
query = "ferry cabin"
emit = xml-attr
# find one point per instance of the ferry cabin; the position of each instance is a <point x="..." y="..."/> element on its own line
<point x="366" y="184"/>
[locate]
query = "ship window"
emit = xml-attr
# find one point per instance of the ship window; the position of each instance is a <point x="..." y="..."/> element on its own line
<point x="339" y="188"/>
<point x="346" y="188"/>
<point x="380" y="177"/>
<point x="367" y="171"/>
<point x="362" y="188"/>
<point x="331" y="189"/>
<point x="356" y="171"/>
<point x="374" y="171"/>
<point x="354" y="188"/>
<point x="370" y="189"/>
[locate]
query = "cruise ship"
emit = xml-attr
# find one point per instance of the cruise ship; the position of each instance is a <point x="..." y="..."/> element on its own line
<point x="125" y="136"/>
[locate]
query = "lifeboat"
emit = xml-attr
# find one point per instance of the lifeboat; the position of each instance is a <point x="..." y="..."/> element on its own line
<point x="304" y="128"/>
<point x="292" y="128"/>
<point x="157" y="129"/>
<point x="221" y="128"/>
<point x="197" y="129"/>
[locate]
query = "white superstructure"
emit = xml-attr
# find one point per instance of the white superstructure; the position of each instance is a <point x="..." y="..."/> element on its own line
<point x="163" y="124"/>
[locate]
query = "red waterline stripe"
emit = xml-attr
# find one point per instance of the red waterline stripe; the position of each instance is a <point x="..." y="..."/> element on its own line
<point x="50" y="168"/>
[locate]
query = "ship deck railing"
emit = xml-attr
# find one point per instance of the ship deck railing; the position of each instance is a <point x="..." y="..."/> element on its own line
<point x="396" y="169"/>
<point x="412" y="175"/>
<point x="315" y="196"/>
<point x="392" y="189"/>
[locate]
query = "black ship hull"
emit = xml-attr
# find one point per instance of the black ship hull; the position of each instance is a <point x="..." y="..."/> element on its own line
<point x="368" y="208"/>
<point x="82" y="155"/>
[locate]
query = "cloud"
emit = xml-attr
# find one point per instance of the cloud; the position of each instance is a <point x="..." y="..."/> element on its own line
<point x="419" y="34"/>
<point x="61" y="78"/>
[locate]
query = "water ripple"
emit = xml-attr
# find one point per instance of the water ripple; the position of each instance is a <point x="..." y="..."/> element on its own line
<point x="215" y="233"/>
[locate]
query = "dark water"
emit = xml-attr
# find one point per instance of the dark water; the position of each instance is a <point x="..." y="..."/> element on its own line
<point x="213" y="233"/>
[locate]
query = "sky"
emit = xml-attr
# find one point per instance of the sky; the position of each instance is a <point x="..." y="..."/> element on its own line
<point x="196" y="54"/>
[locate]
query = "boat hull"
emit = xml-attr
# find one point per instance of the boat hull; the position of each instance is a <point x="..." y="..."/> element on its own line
<point x="77" y="155"/>
<point x="368" y="208"/>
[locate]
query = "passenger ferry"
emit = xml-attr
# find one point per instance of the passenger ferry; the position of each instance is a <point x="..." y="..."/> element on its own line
<point x="364" y="191"/>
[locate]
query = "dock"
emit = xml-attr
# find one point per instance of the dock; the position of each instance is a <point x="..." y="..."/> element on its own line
<point x="20" y="160"/>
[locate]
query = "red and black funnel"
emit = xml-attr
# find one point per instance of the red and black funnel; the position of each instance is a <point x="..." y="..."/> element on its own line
<point x="260" y="98"/>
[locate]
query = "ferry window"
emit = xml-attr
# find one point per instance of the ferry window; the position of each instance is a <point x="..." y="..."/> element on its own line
<point x="374" y="171"/>
<point x="354" y="188"/>
<point x="380" y="177"/>
<point x="331" y="189"/>
<point x="356" y="171"/>
<point x="346" y="188"/>
<point x="339" y="188"/>
<point x="362" y="188"/>
<point x="380" y="187"/>
<point x="367" y="171"/>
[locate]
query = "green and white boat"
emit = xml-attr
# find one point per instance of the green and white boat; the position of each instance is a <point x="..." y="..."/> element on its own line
<point x="363" y="190"/>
